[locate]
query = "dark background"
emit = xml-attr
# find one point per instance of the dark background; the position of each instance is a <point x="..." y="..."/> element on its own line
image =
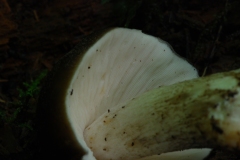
<point x="35" y="34"/>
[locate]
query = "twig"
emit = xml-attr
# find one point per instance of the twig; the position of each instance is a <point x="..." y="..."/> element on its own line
<point x="187" y="44"/>
<point x="2" y="101"/>
<point x="3" y="80"/>
<point x="36" y="15"/>
<point x="82" y="30"/>
<point x="8" y="9"/>
<point x="215" y="42"/>
<point x="212" y="53"/>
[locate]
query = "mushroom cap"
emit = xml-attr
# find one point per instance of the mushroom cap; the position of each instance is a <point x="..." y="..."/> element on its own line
<point x="105" y="69"/>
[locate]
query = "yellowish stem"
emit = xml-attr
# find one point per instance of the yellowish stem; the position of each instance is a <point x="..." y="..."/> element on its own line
<point x="204" y="112"/>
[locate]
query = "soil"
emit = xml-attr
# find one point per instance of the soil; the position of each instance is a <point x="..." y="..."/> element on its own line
<point x="34" y="35"/>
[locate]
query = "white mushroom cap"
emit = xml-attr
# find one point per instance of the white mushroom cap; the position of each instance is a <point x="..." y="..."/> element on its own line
<point x="111" y="68"/>
<point x="118" y="67"/>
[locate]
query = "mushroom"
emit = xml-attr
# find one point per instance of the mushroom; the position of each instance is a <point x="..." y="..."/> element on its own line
<point x="123" y="94"/>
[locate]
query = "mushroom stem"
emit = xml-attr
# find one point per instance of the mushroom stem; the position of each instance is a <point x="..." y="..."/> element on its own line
<point x="203" y="112"/>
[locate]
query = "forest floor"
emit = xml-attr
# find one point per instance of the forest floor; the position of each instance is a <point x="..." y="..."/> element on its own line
<point x="35" y="35"/>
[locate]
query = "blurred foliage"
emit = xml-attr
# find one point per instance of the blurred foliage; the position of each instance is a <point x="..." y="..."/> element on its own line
<point x="4" y="115"/>
<point x="29" y="91"/>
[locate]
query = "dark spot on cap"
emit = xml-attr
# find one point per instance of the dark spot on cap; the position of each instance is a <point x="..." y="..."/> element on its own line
<point x="71" y="93"/>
